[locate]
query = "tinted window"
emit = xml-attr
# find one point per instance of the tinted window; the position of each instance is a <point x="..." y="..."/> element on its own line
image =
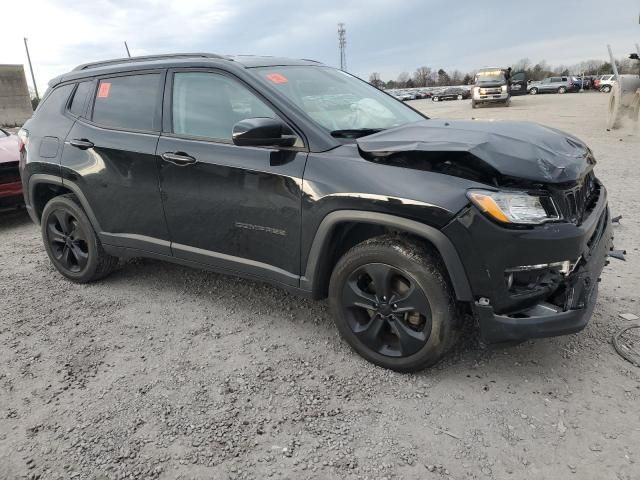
<point x="555" y="79"/>
<point x="209" y="105"/>
<point x="54" y="103"/>
<point x="80" y="98"/>
<point x="129" y="102"/>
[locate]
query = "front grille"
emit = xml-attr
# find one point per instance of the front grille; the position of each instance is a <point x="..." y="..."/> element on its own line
<point x="575" y="202"/>
<point x="9" y="172"/>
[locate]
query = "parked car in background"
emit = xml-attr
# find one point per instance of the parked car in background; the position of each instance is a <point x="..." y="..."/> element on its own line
<point x="583" y="83"/>
<point x="605" y="83"/>
<point x="552" y="85"/>
<point x="10" y="185"/>
<point x="452" y="93"/>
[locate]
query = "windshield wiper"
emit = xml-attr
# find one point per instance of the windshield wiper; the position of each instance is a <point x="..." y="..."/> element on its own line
<point x="354" y="132"/>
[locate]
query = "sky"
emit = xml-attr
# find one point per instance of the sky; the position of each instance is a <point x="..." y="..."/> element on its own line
<point x="382" y="36"/>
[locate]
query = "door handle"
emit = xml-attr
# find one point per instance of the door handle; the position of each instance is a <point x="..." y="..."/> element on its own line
<point x="81" y="143"/>
<point x="180" y="159"/>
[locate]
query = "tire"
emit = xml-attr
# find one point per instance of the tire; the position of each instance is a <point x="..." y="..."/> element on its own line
<point x="434" y="99"/>
<point x="533" y="91"/>
<point x="71" y="242"/>
<point x="562" y="90"/>
<point x="371" y="319"/>
<point x="459" y="97"/>
<point x="606" y="89"/>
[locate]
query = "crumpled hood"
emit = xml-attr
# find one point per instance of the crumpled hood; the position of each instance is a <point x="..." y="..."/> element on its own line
<point x="520" y="150"/>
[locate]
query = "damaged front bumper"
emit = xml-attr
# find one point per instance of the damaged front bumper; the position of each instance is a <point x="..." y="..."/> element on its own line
<point x="560" y="303"/>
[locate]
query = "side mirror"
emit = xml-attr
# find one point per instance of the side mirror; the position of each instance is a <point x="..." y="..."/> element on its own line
<point x="263" y="132"/>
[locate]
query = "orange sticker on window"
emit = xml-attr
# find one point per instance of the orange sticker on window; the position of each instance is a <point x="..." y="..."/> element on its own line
<point x="277" y="78"/>
<point x="103" y="91"/>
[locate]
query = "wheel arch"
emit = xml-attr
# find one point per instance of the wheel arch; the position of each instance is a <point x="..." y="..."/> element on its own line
<point x="327" y="247"/>
<point x="44" y="187"/>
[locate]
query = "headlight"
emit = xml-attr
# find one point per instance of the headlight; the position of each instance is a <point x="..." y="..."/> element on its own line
<point x="514" y="207"/>
<point x="482" y="91"/>
<point x="504" y="89"/>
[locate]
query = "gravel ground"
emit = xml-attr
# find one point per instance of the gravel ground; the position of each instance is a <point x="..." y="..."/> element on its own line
<point x="161" y="371"/>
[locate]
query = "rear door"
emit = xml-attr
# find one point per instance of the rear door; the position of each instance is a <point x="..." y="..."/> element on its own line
<point x="518" y="83"/>
<point x="235" y="208"/>
<point x="110" y="155"/>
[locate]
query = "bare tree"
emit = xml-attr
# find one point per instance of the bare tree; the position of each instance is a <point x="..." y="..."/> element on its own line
<point x="375" y="80"/>
<point x="403" y="78"/>
<point x="421" y="76"/>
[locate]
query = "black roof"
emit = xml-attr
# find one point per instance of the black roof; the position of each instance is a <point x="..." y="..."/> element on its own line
<point x="175" y="60"/>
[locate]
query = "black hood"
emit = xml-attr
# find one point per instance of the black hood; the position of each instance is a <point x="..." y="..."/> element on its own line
<point x="519" y="150"/>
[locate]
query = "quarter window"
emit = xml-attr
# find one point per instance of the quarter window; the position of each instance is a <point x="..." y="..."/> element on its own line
<point x="209" y="105"/>
<point x="129" y="103"/>
<point x="80" y="98"/>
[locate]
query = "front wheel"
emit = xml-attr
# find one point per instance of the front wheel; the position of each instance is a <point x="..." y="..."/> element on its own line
<point x="434" y="99"/>
<point x="71" y="243"/>
<point x="606" y="89"/>
<point x="391" y="302"/>
<point x="459" y="97"/>
<point x="533" y="91"/>
<point x="562" y="90"/>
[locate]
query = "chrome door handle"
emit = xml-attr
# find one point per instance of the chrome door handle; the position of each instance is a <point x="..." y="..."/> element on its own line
<point x="178" y="158"/>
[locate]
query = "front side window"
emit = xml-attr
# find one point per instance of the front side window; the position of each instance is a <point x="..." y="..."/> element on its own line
<point x="336" y="101"/>
<point x="128" y="103"/>
<point x="208" y="105"/>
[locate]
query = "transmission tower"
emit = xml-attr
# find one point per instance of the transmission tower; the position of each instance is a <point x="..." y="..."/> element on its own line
<point x="342" y="43"/>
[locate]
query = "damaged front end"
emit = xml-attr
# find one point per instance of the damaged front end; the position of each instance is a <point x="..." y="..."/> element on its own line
<point x="536" y="233"/>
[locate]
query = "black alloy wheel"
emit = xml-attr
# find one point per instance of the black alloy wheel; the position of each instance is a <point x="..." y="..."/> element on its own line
<point x="387" y="310"/>
<point x="71" y="242"/>
<point x="67" y="241"/>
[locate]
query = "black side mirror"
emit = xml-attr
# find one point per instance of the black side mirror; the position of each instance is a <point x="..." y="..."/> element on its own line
<point x="263" y="132"/>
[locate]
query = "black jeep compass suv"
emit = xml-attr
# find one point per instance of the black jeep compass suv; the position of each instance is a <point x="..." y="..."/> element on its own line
<point x="302" y="175"/>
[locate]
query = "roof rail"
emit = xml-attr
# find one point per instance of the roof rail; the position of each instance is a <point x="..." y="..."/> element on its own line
<point x="144" y="58"/>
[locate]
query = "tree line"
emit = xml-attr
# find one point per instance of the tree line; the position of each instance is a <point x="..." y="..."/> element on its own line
<point x="428" y="77"/>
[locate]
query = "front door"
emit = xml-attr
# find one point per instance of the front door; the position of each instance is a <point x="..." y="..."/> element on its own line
<point x="235" y="208"/>
<point x="518" y="83"/>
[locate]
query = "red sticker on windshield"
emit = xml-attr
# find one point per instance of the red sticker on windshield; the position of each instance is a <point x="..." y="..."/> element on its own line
<point x="277" y="78"/>
<point x="103" y="91"/>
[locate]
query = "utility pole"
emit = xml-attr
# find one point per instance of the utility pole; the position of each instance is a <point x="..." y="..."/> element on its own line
<point x="342" y="43"/>
<point x="33" y="77"/>
<point x="127" y="47"/>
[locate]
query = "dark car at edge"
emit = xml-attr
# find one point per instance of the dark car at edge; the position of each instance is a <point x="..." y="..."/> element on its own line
<point x="301" y="175"/>
<point x="10" y="184"/>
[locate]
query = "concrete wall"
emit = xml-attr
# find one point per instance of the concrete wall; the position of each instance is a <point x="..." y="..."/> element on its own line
<point x="15" y="102"/>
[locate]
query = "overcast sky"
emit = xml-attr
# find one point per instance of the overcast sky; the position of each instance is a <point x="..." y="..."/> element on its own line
<point x="383" y="36"/>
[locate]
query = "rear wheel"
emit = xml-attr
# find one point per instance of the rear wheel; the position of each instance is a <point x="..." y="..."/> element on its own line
<point x="435" y="99"/>
<point x="392" y="303"/>
<point x="562" y="90"/>
<point x="606" y="88"/>
<point x="533" y="91"/>
<point x="459" y="97"/>
<point x="71" y="243"/>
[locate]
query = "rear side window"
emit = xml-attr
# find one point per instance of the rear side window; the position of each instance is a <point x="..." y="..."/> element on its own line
<point x="129" y="103"/>
<point x="80" y="98"/>
<point x="54" y="104"/>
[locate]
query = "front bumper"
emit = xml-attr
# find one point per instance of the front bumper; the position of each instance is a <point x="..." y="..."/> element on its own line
<point x="487" y="250"/>
<point x="490" y="97"/>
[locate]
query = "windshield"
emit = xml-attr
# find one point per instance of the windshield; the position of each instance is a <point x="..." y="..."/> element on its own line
<point x="337" y="101"/>
<point x="492" y="76"/>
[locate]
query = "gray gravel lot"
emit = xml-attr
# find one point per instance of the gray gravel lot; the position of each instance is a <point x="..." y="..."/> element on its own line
<point x="161" y="371"/>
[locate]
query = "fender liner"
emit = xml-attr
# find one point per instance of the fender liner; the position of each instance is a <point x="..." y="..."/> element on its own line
<point x="446" y="249"/>
<point x="38" y="178"/>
